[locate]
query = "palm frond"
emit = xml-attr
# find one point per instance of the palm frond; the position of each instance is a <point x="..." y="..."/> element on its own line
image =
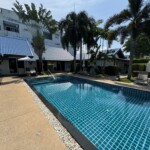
<point x="121" y="32"/>
<point x="145" y="12"/>
<point x="135" y="6"/>
<point x="99" y="22"/>
<point x="117" y="19"/>
<point x="18" y="9"/>
<point x="144" y="27"/>
<point x="111" y="36"/>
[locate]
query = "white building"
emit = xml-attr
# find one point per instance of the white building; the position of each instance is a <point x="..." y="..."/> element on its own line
<point x="15" y="42"/>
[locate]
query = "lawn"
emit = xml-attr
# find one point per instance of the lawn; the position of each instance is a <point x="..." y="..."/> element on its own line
<point x="127" y="80"/>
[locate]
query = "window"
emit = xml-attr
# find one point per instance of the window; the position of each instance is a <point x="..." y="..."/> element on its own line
<point x="11" y="26"/>
<point x="47" y="35"/>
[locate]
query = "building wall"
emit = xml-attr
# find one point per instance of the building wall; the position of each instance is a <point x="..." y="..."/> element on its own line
<point x="4" y="67"/>
<point x="107" y="63"/>
<point x="25" y="31"/>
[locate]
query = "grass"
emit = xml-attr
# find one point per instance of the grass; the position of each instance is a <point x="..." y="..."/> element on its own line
<point x="99" y="76"/>
<point x="126" y="80"/>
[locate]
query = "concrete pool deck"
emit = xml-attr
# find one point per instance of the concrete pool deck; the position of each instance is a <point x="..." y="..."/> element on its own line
<point x="22" y="123"/>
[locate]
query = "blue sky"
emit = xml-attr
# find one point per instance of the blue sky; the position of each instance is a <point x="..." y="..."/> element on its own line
<point x="99" y="9"/>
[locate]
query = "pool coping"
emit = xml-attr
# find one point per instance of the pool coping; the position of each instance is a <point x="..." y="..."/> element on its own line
<point x="111" y="83"/>
<point x="73" y="131"/>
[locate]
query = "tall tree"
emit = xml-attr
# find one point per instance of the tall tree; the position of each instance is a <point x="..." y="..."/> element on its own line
<point x="77" y="29"/>
<point x="142" y="46"/>
<point x="137" y="19"/>
<point x="102" y="34"/>
<point x="87" y="32"/>
<point x="39" y="19"/>
<point x="69" y="36"/>
<point x="39" y="47"/>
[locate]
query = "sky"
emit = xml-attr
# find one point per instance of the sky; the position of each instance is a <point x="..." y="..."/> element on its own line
<point x="99" y="9"/>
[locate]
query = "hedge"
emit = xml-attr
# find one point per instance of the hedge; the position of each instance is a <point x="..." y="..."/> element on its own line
<point x="141" y="60"/>
<point x="139" y="67"/>
<point x="112" y="70"/>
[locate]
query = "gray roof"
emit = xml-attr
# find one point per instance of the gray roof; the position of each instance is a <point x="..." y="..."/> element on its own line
<point x="84" y="56"/>
<point x="15" y="46"/>
<point x="115" y="52"/>
<point x="111" y="51"/>
<point x="56" y="54"/>
<point x="21" y="47"/>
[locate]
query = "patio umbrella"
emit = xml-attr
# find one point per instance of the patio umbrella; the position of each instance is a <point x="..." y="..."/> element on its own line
<point x="26" y="59"/>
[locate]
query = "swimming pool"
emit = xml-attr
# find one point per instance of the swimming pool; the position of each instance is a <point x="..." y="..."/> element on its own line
<point x="110" y="117"/>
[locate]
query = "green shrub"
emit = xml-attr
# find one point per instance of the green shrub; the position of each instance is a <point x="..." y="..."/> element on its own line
<point x="141" y="61"/>
<point x="139" y="67"/>
<point x="111" y="70"/>
<point x="89" y="68"/>
<point x="135" y="73"/>
<point x="97" y="70"/>
<point x="100" y="69"/>
<point x="50" y="66"/>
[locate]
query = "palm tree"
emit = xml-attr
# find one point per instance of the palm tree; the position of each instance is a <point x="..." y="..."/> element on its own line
<point x="137" y="18"/>
<point x="77" y="29"/>
<point x="102" y="34"/>
<point x="69" y="36"/>
<point x="88" y="32"/>
<point x="142" y="46"/>
<point x="39" y="19"/>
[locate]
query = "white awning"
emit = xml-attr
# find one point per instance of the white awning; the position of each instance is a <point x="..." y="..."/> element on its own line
<point x="26" y="59"/>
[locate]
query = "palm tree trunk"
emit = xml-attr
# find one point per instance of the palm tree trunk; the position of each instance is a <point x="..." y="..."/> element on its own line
<point x="40" y="64"/>
<point x="81" y="56"/>
<point x="74" y="63"/>
<point x="102" y="45"/>
<point x="104" y="62"/>
<point x="132" y="51"/>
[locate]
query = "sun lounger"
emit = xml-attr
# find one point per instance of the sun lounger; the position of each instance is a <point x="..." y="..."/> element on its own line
<point x="32" y="72"/>
<point x="142" y="78"/>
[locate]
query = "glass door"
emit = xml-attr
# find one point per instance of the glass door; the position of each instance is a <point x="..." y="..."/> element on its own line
<point x="12" y="65"/>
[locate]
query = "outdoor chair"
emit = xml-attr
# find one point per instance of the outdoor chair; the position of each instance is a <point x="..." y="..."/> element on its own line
<point x="142" y="78"/>
<point x="33" y="72"/>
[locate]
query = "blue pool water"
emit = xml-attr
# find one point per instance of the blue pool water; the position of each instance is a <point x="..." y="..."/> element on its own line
<point x="111" y="117"/>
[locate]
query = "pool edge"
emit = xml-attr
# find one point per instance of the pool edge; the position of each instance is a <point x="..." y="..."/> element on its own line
<point x="73" y="131"/>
